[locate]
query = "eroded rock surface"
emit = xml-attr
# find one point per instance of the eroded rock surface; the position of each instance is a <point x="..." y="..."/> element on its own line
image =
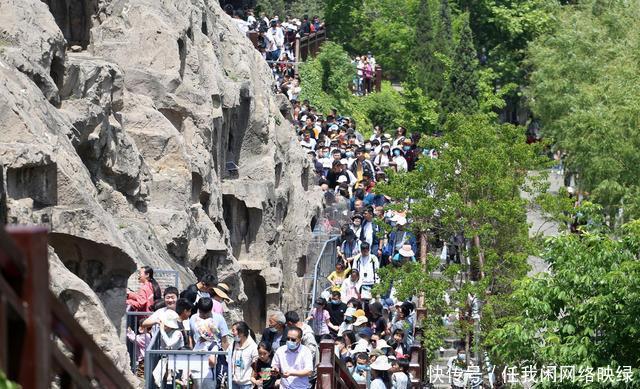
<point x="159" y="143"/>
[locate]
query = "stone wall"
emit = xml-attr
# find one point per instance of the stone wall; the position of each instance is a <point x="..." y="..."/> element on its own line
<point x="146" y="133"/>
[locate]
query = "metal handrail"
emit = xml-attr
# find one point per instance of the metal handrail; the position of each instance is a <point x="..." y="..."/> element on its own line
<point x="153" y="356"/>
<point x="135" y="315"/>
<point x="316" y="270"/>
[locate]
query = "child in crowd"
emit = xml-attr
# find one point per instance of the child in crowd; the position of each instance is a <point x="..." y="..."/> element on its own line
<point x="398" y="345"/>
<point x="361" y="368"/>
<point x="140" y="342"/>
<point x="320" y="318"/>
<point x="337" y="276"/>
<point x="263" y="375"/>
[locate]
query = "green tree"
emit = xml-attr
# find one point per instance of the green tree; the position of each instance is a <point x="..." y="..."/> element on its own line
<point x="326" y="78"/>
<point x="5" y="383"/>
<point x="585" y="90"/>
<point x="583" y="312"/>
<point x="271" y="7"/>
<point x="383" y="108"/>
<point x="460" y="92"/>
<point x="424" y="51"/>
<point x="441" y="55"/>
<point x="344" y="22"/>
<point x="504" y="29"/>
<point x="473" y="187"/>
<point x="420" y="113"/>
<point x="299" y="8"/>
<point x="444" y="35"/>
<point x="383" y="27"/>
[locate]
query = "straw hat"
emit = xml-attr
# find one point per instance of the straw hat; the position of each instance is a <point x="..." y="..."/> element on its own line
<point x="223" y="291"/>
<point x="381" y="364"/>
<point x="170" y="319"/>
<point x="406" y="251"/>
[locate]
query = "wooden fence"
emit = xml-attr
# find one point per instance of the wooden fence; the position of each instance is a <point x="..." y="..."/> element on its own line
<point x="41" y="344"/>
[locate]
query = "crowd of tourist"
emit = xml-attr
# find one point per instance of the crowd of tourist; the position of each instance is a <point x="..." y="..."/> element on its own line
<point x="372" y="333"/>
<point x="372" y="336"/>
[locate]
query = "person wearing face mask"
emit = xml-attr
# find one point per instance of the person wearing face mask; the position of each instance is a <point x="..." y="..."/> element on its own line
<point x="398" y="161"/>
<point x="245" y="354"/>
<point x="356" y="224"/>
<point x="456" y="365"/>
<point x="347" y="323"/>
<point x="274" y="333"/>
<point x="375" y="148"/>
<point x="293" y="361"/>
<point x="383" y="158"/>
<point x="367" y="149"/>
<point x="349" y="154"/>
<point x="410" y="153"/>
<point x="308" y="339"/>
<point x="337" y="310"/>
<point x="360" y="372"/>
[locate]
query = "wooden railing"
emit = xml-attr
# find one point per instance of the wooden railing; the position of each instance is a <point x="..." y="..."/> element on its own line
<point x="332" y="373"/>
<point x="309" y="45"/>
<point x="304" y="47"/>
<point x="34" y="323"/>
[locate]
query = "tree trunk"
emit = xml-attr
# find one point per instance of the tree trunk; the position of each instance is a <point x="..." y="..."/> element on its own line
<point x="476" y="242"/>
<point x="467" y="341"/>
<point x="424" y="250"/>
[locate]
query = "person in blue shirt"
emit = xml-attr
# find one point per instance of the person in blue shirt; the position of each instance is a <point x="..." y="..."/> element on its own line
<point x="397" y="239"/>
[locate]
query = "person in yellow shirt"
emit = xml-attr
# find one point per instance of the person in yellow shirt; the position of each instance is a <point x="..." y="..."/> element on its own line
<point x="337" y="276"/>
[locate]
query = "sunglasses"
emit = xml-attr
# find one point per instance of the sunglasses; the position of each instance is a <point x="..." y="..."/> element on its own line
<point x="292" y="339"/>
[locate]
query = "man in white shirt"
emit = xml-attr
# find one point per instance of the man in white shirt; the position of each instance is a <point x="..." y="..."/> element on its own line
<point x="307" y="142"/>
<point x="278" y="38"/>
<point x="368" y="266"/>
<point x="293" y="361"/>
<point x="270" y="48"/>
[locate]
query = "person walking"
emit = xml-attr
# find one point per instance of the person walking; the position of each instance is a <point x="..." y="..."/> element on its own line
<point x="293" y="362"/>
<point x="245" y="354"/>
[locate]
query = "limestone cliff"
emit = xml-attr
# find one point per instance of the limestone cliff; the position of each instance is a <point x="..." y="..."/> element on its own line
<point x="157" y="140"/>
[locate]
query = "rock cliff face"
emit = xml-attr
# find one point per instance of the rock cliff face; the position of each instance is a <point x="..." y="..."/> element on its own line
<point x="156" y="141"/>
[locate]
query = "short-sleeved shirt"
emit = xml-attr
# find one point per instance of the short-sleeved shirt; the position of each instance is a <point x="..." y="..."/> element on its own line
<point x="208" y="332"/>
<point x="319" y="321"/>
<point x="285" y="360"/>
<point x="217" y="307"/>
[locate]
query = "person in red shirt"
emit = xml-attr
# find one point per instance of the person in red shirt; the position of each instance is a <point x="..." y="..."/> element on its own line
<point x="143" y="299"/>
